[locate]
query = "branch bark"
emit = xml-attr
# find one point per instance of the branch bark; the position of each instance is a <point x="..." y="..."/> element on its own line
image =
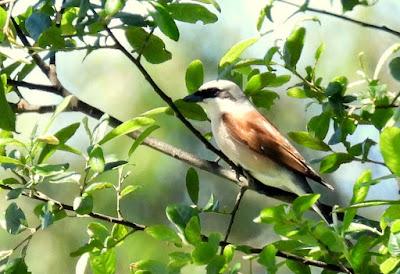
<point x="345" y="18"/>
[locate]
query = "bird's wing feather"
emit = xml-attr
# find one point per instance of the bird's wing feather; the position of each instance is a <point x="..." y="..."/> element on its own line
<point x="261" y="136"/>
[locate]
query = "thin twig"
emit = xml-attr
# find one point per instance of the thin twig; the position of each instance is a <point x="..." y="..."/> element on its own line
<point x="235" y="209"/>
<point x="343" y="17"/>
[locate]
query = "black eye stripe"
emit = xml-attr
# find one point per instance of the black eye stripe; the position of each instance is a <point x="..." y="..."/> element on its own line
<point x="209" y="92"/>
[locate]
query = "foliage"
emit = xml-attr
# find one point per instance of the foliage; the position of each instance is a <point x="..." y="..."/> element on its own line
<point x="352" y="245"/>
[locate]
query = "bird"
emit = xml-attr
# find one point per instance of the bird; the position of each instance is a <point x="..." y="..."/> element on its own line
<point x="251" y="141"/>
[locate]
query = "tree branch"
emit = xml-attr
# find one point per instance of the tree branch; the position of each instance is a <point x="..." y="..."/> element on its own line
<point x="343" y="17"/>
<point x="135" y="226"/>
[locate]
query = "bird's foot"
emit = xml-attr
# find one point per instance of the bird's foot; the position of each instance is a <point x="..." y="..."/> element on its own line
<point x="216" y="161"/>
<point x="239" y="171"/>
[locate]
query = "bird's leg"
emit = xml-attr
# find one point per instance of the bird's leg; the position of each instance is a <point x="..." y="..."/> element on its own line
<point x="216" y="161"/>
<point x="239" y="171"/>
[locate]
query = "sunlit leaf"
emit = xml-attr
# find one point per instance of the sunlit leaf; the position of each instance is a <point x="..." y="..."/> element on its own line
<point x="234" y="53"/>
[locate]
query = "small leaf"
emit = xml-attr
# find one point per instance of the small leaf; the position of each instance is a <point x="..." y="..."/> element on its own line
<point x="97" y="186"/>
<point x="304" y="203"/>
<point x="298" y="268"/>
<point x="271" y="215"/>
<point x="127" y="127"/>
<point x="390" y="148"/>
<point x="319" y="51"/>
<point x="204" y="252"/>
<point x="266" y="79"/>
<point x="48" y="139"/>
<point x="49" y="170"/>
<point x="139" y="140"/>
<point x="164" y="21"/>
<point x="180" y="214"/>
<point x="164" y="233"/>
<point x="267" y="258"/>
<point x="9" y="160"/>
<point x="15" y="219"/>
<point x="148" y="267"/>
<point x="7" y="116"/>
<point x="394" y="67"/>
<point x="96" y="159"/>
<point x="389" y="265"/>
<point x="128" y="189"/>
<point x="14" y="193"/>
<point x="103" y="263"/>
<point x="60" y="108"/>
<point x="319" y="125"/>
<point x="306" y="139"/>
<point x="229" y="252"/>
<point x="234" y="53"/>
<point x="333" y="161"/>
<point x="216" y="265"/>
<point x="192" y="185"/>
<point x="212" y="2"/>
<point x="153" y="48"/>
<point x="192" y="231"/>
<point x="83" y="205"/>
<point x="112" y="7"/>
<point x="297" y="92"/>
<point x="293" y="47"/>
<point x="264" y="99"/>
<point x="191" y="13"/>
<point x="37" y="23"/>
<point x="194" y="76"/>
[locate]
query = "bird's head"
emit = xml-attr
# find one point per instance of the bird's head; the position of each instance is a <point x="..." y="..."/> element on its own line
<point x="217" y="95"/>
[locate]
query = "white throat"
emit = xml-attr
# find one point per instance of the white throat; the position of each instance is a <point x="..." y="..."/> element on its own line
<point x="215" y="107"/>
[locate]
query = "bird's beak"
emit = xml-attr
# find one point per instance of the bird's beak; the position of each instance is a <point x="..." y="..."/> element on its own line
<point x="193" y="98"/>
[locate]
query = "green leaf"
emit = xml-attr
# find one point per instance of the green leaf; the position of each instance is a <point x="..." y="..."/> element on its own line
<point x="390" y="148"/>
<point x="297" y="92"/>
<point x="212" y="204"/>
<point x="119" y="232"/>
<point x="304" y="203"/>
<point x="332" y="162"/>
<point x="389" y="265"/>
<point x="192" y="231"/>
<point x="189" y="110"/>
<point x="229" y="252"/>
<point x="15" y="219"/>
<point x="394" y="241"/>
<point x="264" y="99"/>
<point x="52" y="37"/>
<point x="164" y="233"/>
<point x="328" y="237"/>
<point x="204" y="252"/>
<point x="139" y="140"/>
<point x="49" y="170"/>
<point x="83" y="205"/>
<point x="234" y="53"/>
<point x="9" y="160"/>
<point x="180" y="214"/>
<point x="26" y="69"/>
<point x="37" y="23"/>
<point x="348" y="5"/>
<point x="319" y="51"/>
<point x="104" y="263"/>
<point x="360" y="191"/>
<point x="212" y="2"/>
<point x="7" y="116"/>
<point x="60" y="108"/>
<point x="14" y="193"/>
<point x="97" y="186"/>
<point x="194" y="76"/>
<point x="192" y="185"/>
<point x="127" y="127"/>
<point x="319" y="125"/>
<point x="177" y="260"/>
<point x="15" y="266"/>
<point x="97" y="231"/>
<point x="164" y="21"/>
<point x="128" y="189"/>
<point x="148" y="267"/>
<point x="266" y="79"/>
<point x="3" y="19"/>
<point x="112" y="7"/>
<point x="293" y="47"/>
<point x="271" y="215"/>
<point x="267" y="258"/>
<point x="216" y="265"/>
<point x="153" y="48"/>
<point x="114" y="165"/>
<point x="96" y="159"/>
<point x="394" y="67"/>
<point x="191" y="13"/>
<point x="297" y="267"/>
<point x="306" y="139"/>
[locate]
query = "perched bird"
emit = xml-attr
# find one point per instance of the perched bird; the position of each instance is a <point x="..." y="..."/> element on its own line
<point x="251" y="140"/>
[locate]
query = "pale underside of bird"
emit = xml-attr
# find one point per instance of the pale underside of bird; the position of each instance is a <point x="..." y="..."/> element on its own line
<point x="251" y="140"/>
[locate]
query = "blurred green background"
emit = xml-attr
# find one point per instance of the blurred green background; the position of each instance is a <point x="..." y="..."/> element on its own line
<point x="107" y="80"/>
